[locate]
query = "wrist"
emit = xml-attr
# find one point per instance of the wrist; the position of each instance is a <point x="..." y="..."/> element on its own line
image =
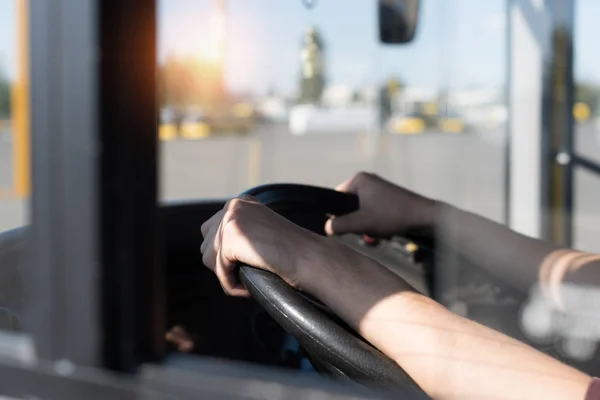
<point x="426" y="218"/>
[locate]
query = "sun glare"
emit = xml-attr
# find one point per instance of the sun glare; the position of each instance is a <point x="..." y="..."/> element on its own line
<point x="214" y="49"/>
<point x="202" y="35"/>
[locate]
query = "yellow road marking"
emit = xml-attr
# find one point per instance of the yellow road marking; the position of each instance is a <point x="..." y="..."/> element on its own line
<point x="254" y="163"/>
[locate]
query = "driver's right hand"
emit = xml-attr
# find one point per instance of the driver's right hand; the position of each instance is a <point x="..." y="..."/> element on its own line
<point x="385" y="209"/>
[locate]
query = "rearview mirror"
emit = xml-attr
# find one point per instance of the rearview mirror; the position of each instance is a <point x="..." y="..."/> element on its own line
<point x="398" y="20"/>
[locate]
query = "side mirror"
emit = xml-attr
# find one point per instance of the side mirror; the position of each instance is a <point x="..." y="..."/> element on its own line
<point x="398" y="20"/>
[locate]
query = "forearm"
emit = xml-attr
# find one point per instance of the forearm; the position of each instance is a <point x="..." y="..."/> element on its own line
<point x="448" y="356"/>
<point x="494" y="247"/>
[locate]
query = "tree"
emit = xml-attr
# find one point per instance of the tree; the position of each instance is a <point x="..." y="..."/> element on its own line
<point x="395" y="85"/>
<point x="190" y="82"/>
<point x="5" y="100"/>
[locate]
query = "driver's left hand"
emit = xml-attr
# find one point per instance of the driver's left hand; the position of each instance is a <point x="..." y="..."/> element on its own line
<point x="248" y="232"/>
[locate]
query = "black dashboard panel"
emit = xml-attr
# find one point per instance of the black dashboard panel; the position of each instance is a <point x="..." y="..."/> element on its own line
<point x="219" y="325"/>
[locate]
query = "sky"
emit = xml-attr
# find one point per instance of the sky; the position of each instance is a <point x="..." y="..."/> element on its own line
<point x="8" y="38"/>
<point x="264" y="39"/>
<point x="459" y="42"/>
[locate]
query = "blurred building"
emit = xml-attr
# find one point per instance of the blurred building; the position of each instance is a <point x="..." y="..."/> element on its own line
<point x="409" y="100"/>
<point x="310" y="119"/>
<point x="482" y="108"/>
<point x="273" y="108"/>
<point x="338" y="96"/>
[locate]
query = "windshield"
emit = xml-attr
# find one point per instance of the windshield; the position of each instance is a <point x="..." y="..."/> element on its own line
<point x="324" y="89"/>
<point x="328" y="100"/>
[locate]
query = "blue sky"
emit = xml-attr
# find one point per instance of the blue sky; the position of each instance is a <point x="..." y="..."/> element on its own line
<point x="264" y="40"/>
<point x="8" y="36"/>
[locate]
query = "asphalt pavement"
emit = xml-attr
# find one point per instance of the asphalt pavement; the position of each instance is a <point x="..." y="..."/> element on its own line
<point x="465" y="170"/>
<point x="439" y="165"/>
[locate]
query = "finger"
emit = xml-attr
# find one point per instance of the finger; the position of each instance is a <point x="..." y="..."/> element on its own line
<point x="345" y="186"/>
<point x="209" y="238"/>
<point x="351" y="185"/>
<point x="237" y="202"/>
<point x="205" y="228"/>
<point x="213" y="250"/>
<point x="249" y="198"/>
<point x="240" y="291"/>
<point x="174" y="337"/>
<point x="186" y="346"/>
<point x="227" y="272"/>
<point x="210" y="248"/>
<point x="180" y="330"/>
<point x="181" y="341"/>
<point x="349" y="223"/>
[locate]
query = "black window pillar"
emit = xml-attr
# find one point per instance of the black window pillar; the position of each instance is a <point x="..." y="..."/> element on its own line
<point x="133" y="302"/>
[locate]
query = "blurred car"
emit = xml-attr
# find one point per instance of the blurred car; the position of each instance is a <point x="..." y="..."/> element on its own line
<point x="451" y="123"/>
<point x="410" y="124"/>
<point x="240" y="118"/>
<point x="167" y="128"/>
<point x="195" y="126"/>
<point x="581" y="112"/>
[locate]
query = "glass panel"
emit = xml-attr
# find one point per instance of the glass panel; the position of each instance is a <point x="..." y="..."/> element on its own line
<point x="11" y="208"/>
<point x="587" y="131"/>
<point x="587" y="78"/>
<point x="586" y="215"/>
<point x="14" y="176"/>
<point x="264" y="91"/>
<point x="267" y="91"/>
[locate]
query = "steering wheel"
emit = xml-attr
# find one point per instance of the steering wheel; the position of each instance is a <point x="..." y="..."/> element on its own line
<point x="337" y="348"/>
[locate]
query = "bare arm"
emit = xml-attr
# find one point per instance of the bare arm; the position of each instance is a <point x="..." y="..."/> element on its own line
<point x="387" y="209"/>
<point x="447" y="355"/>
<point x="520" y="260"/>
<point x="513" y="257"/>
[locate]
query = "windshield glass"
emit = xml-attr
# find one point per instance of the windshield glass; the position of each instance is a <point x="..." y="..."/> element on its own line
<point x="14" y="152"/>
<point x="320" y="93"/>
<point x="309" y="95"/>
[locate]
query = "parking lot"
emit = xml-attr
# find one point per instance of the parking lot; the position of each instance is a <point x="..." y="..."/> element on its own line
<point x="466" y="170"/>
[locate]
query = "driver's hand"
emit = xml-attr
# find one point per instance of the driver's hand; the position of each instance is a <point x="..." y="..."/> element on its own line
<point x="385" y="209"/>
<point x="248" y="232"/>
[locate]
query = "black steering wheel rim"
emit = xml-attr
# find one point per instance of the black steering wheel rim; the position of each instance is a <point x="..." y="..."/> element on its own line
<point x="343" y="352"/>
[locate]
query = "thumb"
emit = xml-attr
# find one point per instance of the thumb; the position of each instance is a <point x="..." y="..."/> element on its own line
<point x="349" y="223"/>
